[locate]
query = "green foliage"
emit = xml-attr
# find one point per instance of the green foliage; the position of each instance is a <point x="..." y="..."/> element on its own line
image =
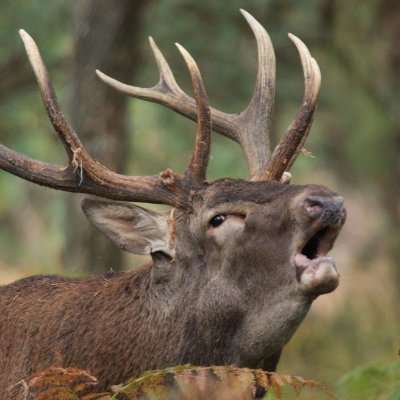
<point x="378" y="381"/>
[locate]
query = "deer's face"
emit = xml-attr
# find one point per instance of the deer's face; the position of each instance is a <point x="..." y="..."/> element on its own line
<point x="239" y="228"/>
<point x="267" y="229"/>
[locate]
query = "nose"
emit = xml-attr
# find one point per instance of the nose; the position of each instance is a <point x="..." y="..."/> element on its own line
<point x="329" y="209"/>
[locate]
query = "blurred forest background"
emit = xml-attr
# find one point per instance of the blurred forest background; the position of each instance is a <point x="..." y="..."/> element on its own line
<point x="355" y="139"/>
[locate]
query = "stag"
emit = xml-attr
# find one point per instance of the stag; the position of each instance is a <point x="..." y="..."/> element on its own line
<point x="235" y="264"/>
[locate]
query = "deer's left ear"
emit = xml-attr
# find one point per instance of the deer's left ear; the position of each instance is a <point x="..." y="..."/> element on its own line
<point x="132" y="228"/>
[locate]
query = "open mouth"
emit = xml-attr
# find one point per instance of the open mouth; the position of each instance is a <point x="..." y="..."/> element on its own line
<point x="325" y="216"/>
<point x="315" y="271"/>
<point x="317" y="246"/>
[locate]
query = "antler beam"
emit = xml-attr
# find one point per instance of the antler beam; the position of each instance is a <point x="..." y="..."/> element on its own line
<point x="86" y="175"/>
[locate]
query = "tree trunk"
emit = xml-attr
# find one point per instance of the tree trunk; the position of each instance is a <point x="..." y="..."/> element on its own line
<point x="104" y="37"/>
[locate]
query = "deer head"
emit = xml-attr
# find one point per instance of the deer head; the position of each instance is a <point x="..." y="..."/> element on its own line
<point x="241" y="260"/>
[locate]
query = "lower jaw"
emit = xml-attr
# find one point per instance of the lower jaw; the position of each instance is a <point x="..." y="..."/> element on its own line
<point x="316" y="276"/>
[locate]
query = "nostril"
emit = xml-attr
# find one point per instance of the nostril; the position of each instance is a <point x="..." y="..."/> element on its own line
<point x="315" y="201"/>
<point x="314" y="211"/>
<point x="314" y="206"/>
<point x="330" y="208"/>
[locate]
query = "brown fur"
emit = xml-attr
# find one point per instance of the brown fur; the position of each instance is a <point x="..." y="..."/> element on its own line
<point x="235" y="303"/>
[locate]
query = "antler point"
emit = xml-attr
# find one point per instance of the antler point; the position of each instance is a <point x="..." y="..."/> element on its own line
<point x="294" y="39"/>
<point x="101" y="75"/>
<point x="186" y="55"/>
<point x="246" y="14"/>
<point x="25" y="37"/>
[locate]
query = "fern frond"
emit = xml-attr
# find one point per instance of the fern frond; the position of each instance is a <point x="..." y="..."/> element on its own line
<point x="215" y="382"/>
<point x="183" y="382"/>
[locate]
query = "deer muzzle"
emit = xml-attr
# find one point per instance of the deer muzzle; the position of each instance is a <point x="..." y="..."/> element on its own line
<point x="316" y="271"/>
<point x="329" y="210"/>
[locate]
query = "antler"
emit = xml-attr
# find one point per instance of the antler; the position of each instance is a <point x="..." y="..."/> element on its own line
<point x="86" y="175"/>
<point x="292" y="142"/>
<point x="196" y="171"/>
<point x="246" y="128"/>
<point x="250" y="128"/>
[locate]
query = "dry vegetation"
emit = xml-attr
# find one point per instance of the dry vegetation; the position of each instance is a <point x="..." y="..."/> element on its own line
<point x="184" y="382"/>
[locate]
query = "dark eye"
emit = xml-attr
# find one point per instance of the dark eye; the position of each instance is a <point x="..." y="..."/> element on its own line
<point x="217" y="220"/>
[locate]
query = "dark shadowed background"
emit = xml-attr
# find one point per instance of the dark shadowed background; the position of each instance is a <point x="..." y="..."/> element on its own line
<point x="354" y="143"/>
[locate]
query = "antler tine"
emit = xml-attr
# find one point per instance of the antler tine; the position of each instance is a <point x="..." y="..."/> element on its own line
<point x="166" y="91"/>
<point x="63" y="129"/>
<point x="247" y="128"/>
<point x="255" y="120"/>
<point x="84" y="174"/>
<point x="196" y="171"/>
<point x="293" y="141"/>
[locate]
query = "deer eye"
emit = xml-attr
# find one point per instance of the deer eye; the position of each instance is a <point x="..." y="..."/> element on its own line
<point x="217" y="220"/>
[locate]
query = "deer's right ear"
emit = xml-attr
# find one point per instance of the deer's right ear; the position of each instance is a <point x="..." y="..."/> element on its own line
<point x="132" y="228"/>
